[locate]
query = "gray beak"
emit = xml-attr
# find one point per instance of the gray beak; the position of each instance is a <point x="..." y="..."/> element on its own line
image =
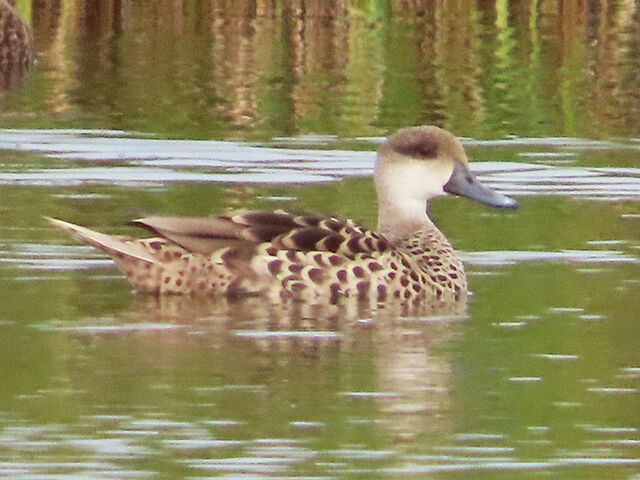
<point x="463" y="183"/>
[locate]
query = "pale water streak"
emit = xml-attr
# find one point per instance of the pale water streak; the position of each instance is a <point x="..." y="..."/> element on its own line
<point x="115" y="440"/>
<point x="158" y="161"/>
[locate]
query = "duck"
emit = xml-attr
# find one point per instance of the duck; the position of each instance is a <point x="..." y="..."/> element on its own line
<point x="313" y="256"/>
<point x="17" y="52"/>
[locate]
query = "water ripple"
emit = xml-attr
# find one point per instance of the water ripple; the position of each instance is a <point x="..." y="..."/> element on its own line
<point x="511" y="257"/>
<point x="149" y="161"/>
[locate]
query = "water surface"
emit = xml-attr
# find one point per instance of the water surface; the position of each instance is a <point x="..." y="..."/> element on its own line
<point x="540" y="374"/>
<point x="194" y="108"/>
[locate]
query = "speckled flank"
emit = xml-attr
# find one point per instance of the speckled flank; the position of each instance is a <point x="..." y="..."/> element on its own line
<point x="176" y="271"/>
<point x="340" y="260"/>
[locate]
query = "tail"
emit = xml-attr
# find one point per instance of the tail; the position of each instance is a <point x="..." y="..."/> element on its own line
<point x="112" y="246"/>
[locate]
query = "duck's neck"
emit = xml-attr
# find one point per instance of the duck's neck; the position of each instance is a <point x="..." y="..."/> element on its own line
<point x="399" y="220"/>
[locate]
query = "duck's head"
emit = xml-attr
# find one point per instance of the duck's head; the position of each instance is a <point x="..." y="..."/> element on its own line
<point x="419" y="163"/>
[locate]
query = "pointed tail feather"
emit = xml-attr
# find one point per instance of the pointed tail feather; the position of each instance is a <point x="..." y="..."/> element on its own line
<point x="113" y="246"/>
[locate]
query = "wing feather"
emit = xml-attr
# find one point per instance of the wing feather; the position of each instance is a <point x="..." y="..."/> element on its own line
<point x="286" y="231"/>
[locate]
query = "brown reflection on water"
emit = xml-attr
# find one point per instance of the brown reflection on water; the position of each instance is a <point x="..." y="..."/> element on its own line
<point x="215" y="68"/>
<point x="228" y="78"/>
<point x="318" y="39"/>
<point x="615" y="60"/>
<point x="16" y="47"/>
<point x="412" y="387"/>
<point x="418" y="377"/>
<point x="455" y="31"/>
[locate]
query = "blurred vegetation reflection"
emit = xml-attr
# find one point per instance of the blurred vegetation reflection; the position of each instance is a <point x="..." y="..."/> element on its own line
<point x="541" y="378"/>
<point x="258" y="69"/>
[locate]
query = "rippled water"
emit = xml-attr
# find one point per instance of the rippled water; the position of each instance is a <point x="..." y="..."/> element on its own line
<point x="540" y="376"/>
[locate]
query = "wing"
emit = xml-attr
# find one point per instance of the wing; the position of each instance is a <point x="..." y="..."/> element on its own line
<point x="243" y="232"/>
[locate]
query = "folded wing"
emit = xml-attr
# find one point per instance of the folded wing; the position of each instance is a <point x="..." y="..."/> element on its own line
<point x="243" y="232"/>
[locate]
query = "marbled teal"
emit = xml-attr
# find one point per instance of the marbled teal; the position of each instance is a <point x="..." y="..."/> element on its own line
<point x="311" y="256"/>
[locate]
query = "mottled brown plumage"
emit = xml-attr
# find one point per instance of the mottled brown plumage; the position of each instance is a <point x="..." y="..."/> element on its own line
<point x="314" y="257"/>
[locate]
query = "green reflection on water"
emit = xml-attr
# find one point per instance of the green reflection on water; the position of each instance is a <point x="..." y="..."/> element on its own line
<point x="530" y="368"/>
<point x="546" y="364"/>
<point x="350" y="68"/>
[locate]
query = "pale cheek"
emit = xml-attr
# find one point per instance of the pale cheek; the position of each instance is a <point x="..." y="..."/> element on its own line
<point x="415" y="182"/>
<point x="428" y="183"/>
<point x="411" y="184"/>
<point x="432" y="187"/>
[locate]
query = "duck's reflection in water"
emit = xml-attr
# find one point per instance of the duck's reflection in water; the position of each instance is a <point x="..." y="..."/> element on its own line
<point x="412" y="385"/>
